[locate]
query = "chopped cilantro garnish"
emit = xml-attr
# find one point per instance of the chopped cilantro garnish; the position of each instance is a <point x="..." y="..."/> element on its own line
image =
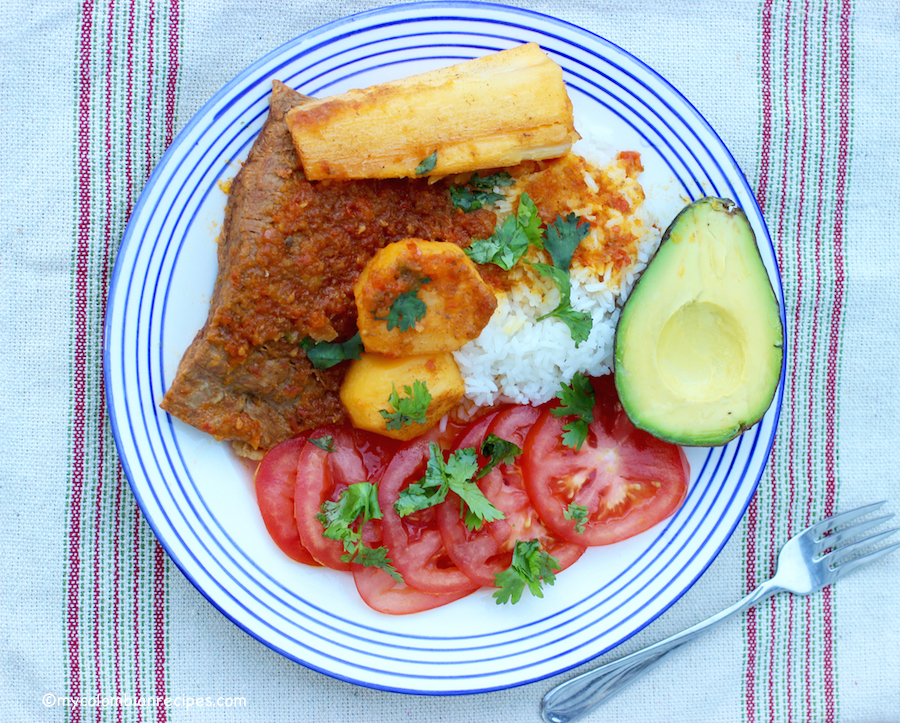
<point x="407" y="309"/>
<point x="579" y="322"/>
<point x="373" y="557"/>
<point x="577" y="399"/>
<point x="325" y="443"/>
<point x="530" y="565"/>
<point x="497" y="451"/>
<point x="410" y="409"/>
<point x="427" y="164"/>
<point x="509" y="243"/>
<point x="357" y="503"/>
<point x="563" y="237"/>
<point x="325" y="354"/>
<point x="456" y="474"/>
<point x="479" y="191"/>
<point x="579" y="514"/>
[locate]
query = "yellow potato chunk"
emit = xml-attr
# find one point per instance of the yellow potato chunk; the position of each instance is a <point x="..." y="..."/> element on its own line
<point x="421" y="297"/>
<point x="372" y="379"/>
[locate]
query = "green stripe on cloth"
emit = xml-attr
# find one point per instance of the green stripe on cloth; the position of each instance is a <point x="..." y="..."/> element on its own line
<point x="115" y="592"/>
<point x="805" y="73"/>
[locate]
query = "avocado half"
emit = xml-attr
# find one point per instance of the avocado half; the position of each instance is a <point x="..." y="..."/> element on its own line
<point x="699" y="342"/>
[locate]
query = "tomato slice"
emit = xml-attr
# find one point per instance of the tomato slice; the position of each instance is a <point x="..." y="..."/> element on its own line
<point x="485" y="552"/>
<point x="382" y="593"/>
<point x="504" y="486"/>
<point x="475" y="552"/>
<point x="626" y="479"/>
<point x="356" y="456"/>
<point x="275" y="481"/>
<point x="414" y="542"/>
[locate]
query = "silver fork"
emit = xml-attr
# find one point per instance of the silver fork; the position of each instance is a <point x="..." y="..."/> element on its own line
<point x="808" y="562"/>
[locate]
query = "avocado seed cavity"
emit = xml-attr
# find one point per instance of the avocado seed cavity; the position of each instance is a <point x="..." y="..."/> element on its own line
<point x="700" y="352"/>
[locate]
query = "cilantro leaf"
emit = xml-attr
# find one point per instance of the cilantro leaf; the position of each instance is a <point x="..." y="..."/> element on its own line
<point x="325" y="443"/>
<point x="407" y="309"/>
<point x="456" y="474"/>
<point x="510" y="242"/>
<point x="429" y="491"/>
<point x="577" y="399"/>
<point x="479" y="191"/>
<point x="579" y="322"/>
<point x="476" y="508"/>
<point x="468" y="199"/>
<point x="427" y="164"/>
<point x="489" y="182"/>
<point x="563" y="237"/>
<point x="529" y="220"/>
<point x="410" y="409"/>
<point x="578" y="513"/>
<point x="497" y="451"/>
<point x="358" y="502"/>
<point x="325" y="354"/>
<point x="373" y="557"/>
<point x="530" y="566"/>
<point x="338" y="515"/>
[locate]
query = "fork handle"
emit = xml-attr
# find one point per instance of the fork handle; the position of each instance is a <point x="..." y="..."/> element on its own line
<point x="570" y="700"/>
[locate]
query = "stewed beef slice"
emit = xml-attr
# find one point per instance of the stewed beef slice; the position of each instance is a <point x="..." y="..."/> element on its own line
<point x="289" y="254"/>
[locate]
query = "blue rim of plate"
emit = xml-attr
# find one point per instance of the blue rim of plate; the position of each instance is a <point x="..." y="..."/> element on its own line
<point x="161" y="469"/>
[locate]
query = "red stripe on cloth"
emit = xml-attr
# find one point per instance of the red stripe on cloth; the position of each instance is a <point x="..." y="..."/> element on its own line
<point x="839" y="272"/>
<point x="129" y="109"/>
<point x="807" y="657"/>
<point x="159" y="625"/>
<point x="151" y="24"/>
<point x="135" y="611"/>
<point x="117" y="581"/>
<point x="108" y="211"/>
<point x="773" y="616"/>
<point x="82" y="250"/>
<point x="827" y="655"/>
<point x="750" y="682"/>
<point x="172" y="75"/>
<point x="766" y="151"/>
<point x="814" y="341"/>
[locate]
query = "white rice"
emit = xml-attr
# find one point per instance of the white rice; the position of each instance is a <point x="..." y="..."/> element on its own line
<point x="522" y="360"/>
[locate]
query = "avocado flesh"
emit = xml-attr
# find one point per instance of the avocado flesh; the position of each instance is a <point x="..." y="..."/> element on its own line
<point x="699" y="341"/>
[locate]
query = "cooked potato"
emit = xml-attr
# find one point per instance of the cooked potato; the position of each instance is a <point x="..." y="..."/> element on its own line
<point x="372" y="379"/>
<point x="419" y="297"/>
<point x="493" y="111"/>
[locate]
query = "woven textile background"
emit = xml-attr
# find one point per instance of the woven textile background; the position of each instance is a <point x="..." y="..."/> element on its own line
<point x="804" y="93"/>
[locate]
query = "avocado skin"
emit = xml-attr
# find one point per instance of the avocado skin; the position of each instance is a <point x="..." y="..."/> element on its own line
<point x="699" y="343"/>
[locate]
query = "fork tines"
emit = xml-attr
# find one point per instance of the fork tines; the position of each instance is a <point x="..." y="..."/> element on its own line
<point x="845" y="558"/>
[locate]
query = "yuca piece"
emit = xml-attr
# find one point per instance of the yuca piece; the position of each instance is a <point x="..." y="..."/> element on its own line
<point x="494" y="111"/>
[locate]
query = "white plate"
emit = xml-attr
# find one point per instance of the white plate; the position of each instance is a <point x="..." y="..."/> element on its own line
<point x="199" y="499"/>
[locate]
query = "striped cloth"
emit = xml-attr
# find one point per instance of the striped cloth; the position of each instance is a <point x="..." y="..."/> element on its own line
<point x="806" y="94"/>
